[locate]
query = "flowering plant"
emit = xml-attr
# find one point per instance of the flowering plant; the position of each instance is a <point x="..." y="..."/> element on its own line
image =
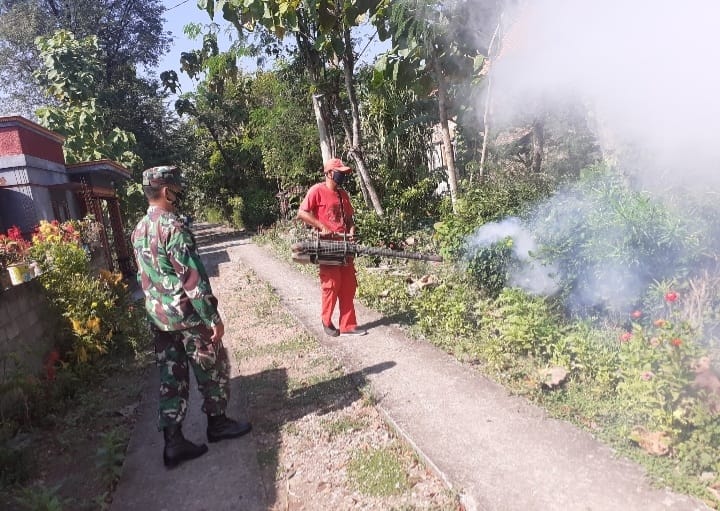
<point x="657" y="361"/>
<point x="13" y="248"/>
<point x="56" y="232"/>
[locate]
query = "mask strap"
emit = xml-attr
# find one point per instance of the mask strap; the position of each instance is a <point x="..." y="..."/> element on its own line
<point x="342" y="209"/>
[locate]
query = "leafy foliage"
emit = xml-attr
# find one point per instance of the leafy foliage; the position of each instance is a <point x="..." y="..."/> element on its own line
<point x="497" y="197"/>
<point x="70" y="73"/>
<point x="600" y="231"/>
<point x="98" y="312"/>
<point x="282" y="126"/>
<point x="129" y="33"/>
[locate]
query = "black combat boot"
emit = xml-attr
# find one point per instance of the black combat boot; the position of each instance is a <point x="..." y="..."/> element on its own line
<point x="177" y="448"/>
<point x="221" y="427"/>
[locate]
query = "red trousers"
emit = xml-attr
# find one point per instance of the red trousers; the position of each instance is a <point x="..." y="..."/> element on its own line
<point x="338" y="284"/>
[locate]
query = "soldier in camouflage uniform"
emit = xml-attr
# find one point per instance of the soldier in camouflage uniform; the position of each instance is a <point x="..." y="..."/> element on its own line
<point x="184" y="318"/>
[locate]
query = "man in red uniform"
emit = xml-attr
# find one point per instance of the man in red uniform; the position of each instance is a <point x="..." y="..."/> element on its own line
<point x="327" y="208"/>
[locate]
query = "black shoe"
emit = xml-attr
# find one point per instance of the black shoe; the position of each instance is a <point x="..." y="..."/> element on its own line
<point x="221" y="427"/>
<point x="178" y="449"/>
<point x="331" y="330"/>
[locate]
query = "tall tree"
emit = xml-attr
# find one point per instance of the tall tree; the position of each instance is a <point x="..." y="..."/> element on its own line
<point x="398" y="125"/>
<point x="129" y="32"/>
<point x="282" y="126"/>
<point x="322" y="31"/>
<point x="69" y="73"/>
<point x="130" y="37"/>
<point x="433" y="51"/>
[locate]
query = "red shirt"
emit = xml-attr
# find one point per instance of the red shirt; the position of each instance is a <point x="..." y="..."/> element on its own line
<point x="326" y="205"/>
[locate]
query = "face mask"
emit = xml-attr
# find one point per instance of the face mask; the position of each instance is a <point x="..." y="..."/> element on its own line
<point x="179" y="196"/>
<point x="339" y="178"/>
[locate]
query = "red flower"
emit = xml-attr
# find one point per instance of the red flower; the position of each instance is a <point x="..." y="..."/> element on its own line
<point x="49" y="366"/>
<point x="671" y="296"/>
<point x="636" y="314"/>
<point x="626" y="337"/>
<point x="15" y="234"/>
<point x="676" y="342"/>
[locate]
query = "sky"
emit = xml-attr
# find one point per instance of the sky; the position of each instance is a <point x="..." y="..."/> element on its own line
<point x="178" y="14"/>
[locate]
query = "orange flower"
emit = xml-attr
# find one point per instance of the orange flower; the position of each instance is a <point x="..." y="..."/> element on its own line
<point x="660" y="323"/>
<point x="676" y="342"/>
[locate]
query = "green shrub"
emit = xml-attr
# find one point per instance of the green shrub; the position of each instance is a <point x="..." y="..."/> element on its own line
<point x="697" y="446"/>
<point x="411" y="210"/>
<point x="489" y="266"/>
<point x="589" y="352"/>
<point x="214" y="215"/>
<point x="656" y="371"/>
<point x="373" y="230"/>
<point x="260" y="207"/>
<point x="237" y="207"/>
<point x="59" y="260"/>
<point x="110" y="456"/>
<point x="97" y="310"/>
<point x="518" y="324"/>
<point x="446" y="312"/>
<point x="386" y="292"/>
<point x="497" y="197"/>
<point x="609" y="242"/>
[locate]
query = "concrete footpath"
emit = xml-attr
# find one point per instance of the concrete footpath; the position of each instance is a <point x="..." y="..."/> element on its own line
<point x="500" y="452"/>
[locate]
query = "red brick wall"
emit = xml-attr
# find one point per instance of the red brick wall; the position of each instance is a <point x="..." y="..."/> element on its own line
<point x="19" y="140"/>
<point x="10" y="141"/>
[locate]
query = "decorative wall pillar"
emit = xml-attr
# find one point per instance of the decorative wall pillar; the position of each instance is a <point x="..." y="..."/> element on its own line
<point x="95" y="207"/>
<point x="121" y="247"/>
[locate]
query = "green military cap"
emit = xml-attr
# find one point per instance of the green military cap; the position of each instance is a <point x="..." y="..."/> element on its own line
<point x="165" y="175"/>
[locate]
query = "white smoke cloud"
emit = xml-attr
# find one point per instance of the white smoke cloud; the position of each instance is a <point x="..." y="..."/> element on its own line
<point x="647" y="70"/>
<point x="529" y="274"/>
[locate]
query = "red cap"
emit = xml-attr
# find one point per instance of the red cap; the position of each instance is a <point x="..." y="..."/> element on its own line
<point x="335" y="164"/>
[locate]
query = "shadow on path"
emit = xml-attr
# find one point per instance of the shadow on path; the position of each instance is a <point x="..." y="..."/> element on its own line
<point x="400" y="318"/>
<point x="213" y="246"/>
<point x="273" y="401"/>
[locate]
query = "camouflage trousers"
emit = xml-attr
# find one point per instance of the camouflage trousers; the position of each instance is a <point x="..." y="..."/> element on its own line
<point x="175" y="352"/>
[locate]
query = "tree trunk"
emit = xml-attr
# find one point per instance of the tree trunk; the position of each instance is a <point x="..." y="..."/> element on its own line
<point x="488" y="99"/>
<point x="327" y="141"/>
<point x="486" y="129"/>
<point x="355" y="137"/>
<point x="445" y="132"/>
<point x="538" y="144"/>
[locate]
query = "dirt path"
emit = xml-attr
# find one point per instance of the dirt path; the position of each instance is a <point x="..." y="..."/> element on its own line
<point x="318" y="442"/>
<point x="321" y="444"/>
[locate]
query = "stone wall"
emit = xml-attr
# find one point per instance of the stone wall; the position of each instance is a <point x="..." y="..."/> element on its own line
<point x="27" y="329"/>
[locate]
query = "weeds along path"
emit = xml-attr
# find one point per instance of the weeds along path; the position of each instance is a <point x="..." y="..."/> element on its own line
<point x="499" y="451"/>
<point x="321" y="443"/>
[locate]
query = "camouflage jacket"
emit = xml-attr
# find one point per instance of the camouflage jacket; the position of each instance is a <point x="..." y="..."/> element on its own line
<point x="174" y="280"/>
